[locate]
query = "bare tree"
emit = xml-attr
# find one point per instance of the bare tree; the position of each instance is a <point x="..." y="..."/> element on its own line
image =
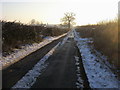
<point x="68" y="19"/>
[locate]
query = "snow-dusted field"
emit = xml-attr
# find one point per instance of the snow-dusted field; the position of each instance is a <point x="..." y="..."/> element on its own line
<point x="26" y="50"/>
<point x="99" y="75"/>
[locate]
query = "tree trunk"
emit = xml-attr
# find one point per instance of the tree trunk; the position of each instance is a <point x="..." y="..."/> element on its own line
<point x="69" y="24"/>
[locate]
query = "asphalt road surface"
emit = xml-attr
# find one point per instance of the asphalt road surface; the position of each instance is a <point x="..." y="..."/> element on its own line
<point x="61" y="71"/>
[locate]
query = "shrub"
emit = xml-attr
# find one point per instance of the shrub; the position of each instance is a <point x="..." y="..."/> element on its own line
<point x="105" y="36"/>
<point x="15" y="34"/>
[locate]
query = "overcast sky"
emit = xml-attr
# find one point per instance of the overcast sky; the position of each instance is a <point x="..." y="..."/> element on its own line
<point x="50" y="11"/>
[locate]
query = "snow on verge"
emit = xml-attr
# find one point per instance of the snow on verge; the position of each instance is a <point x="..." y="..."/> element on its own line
<point x="64" y="40"/>
<point x="99" y="75"/>
<point x="79" y="83"/>
<point x="29" y="79"/>
<point x="26" y="50"/>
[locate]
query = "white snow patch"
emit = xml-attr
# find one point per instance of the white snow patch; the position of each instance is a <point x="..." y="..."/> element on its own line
<point x="64" y="40"/>
<point x="79" y="83"/>
<point x="29" y="79"/>
<point x="99" y="75"/>
<point x="26" y="50"/>
<point x="48" y="38"/>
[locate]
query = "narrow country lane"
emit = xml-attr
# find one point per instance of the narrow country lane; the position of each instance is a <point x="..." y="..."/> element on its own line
<point x="62" y="70"/>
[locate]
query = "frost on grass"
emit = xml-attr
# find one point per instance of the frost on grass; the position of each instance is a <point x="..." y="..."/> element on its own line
<point x="26" y="50"/>
<point x="29" y="79"/>
<point x="79" y="83"/>
<point x="99" y="75"/>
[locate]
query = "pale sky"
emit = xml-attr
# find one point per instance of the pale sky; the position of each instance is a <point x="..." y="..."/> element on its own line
<point x="50" y="11"/>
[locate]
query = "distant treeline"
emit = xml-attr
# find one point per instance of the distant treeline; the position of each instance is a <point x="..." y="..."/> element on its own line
<point x="105" y="36"/>
<point x="15" y="34"/>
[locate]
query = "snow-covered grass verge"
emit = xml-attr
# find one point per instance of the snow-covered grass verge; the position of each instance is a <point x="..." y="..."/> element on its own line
<point x="79" y="83"/>
<point x="99" y="75"/>
<point x="26" y="50"/>
<point x="29" y="79"/>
